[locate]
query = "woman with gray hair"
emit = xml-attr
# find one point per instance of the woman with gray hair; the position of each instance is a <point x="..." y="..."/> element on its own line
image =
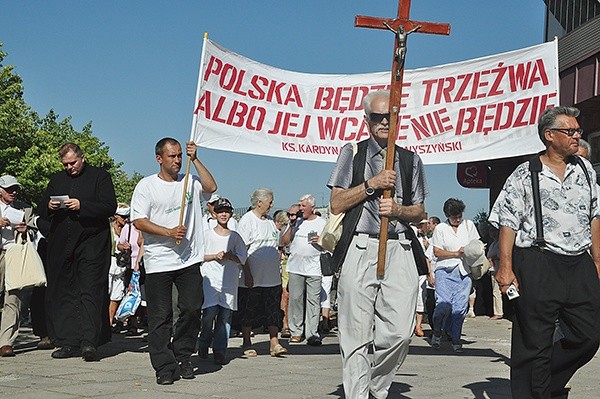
<point x="259" y="292"/>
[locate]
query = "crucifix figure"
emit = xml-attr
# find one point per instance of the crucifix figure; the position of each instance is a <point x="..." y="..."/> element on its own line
<point x="402" y="26"/>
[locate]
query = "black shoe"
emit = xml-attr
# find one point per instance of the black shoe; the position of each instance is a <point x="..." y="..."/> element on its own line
<point x="324" y="326"/>
<point x="220" y="359"/>
<point x="314" y="341"/>
<point x="66" y="352"/>
<point x="164" y="380"/>
<point x="89" y="353"/>
<point x="203" y="353"/>
<point x="45" y="343"/>
<point x="132" y="332"/>
<point x="186" y="370"/>
<point x="117" y="328"/>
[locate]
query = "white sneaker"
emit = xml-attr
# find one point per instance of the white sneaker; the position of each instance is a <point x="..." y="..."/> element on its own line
<point x="471" y="313"/>
<point x="436" y="341"/>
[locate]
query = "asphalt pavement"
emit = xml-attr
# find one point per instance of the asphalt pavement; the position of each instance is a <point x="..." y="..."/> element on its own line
<point x="124" y="371"/>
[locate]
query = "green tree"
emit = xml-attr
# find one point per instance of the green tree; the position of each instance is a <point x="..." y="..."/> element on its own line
<point x="16" y="124"/>
<point x="29" y="144"/>
<point x="124" y="185"/>
<point x="480" y="217"/>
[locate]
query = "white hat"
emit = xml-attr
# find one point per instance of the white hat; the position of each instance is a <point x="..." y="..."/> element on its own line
<point x="124" y="211"/>
<point x="213" y="198"/>
<point x="424" y="221"/>
<point x="475" y="260"/>
<point x="7" y="181"/>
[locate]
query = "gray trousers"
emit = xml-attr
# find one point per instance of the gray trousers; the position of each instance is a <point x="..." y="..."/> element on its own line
<point x="9" y="324"/>
<point x="375" y="312"/>
<point x="301" y="318"/>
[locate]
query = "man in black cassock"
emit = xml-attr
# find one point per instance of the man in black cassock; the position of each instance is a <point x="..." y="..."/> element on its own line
<point x="79" y="245"/>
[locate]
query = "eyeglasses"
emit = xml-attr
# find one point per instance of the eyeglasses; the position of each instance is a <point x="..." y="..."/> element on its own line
<point x="569" y="132"/>
<point x="377" y="118"/>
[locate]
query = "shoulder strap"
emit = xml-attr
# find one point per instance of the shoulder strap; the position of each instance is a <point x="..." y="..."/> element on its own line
<point x="351" y="217"/>
<point x="585" y="171"/>
<point x="406" y="159"/>
<point x="130" y="225"/>
<point x="535" y="167"/>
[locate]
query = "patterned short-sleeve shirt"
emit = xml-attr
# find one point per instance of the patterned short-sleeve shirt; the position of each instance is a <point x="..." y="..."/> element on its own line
<point x="568" y="208"/>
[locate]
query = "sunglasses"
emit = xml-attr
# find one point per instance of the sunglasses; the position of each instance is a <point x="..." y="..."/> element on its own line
<point x="377" y="118"/>
<point x="12" y="189"/>
<point x="569" y="132"/>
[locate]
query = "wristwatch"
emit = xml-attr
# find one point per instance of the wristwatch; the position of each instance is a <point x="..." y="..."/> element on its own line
<point x="369" y="190"/>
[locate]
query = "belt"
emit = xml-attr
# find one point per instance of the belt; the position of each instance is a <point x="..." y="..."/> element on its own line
<point x="391" y="236"/>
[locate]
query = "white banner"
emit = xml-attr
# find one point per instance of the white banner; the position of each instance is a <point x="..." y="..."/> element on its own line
<point x="468" y="111"/>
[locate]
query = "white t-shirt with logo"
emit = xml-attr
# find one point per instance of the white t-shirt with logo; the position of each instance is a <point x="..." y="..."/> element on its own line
<point x="304" y="257"/>
<point x="261" y="238"/>
<point x="159" y="201"/>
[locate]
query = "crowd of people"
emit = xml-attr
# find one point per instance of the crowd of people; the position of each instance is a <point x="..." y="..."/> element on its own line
<point x="204" y="276"/>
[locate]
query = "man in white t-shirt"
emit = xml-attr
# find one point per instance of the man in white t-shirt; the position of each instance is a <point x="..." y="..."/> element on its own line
<point x="304" y="271"/>
<point x="172" y="256"/>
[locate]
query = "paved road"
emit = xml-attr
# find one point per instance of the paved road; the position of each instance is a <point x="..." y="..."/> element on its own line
<point x="125" y="372"/>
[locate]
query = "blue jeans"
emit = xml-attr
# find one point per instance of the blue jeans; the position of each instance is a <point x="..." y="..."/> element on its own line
<point x="222" y="326"/>
<point x="452" y="301"/>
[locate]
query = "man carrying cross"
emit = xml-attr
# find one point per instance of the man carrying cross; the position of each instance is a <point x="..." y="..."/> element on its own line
<point x="372" y="310"/>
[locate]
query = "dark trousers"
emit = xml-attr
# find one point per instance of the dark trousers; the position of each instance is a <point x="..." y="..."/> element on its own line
<point x="37" y="304"/>
<point x="552" y="287"/>
<point x="37" y="309"/>
<point x="77" y="294"/>
<point x="430" y="305"/>
<point x="160" y="317"/>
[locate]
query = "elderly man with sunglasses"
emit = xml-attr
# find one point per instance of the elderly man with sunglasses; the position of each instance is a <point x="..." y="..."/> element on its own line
<point x="554" y="274"/>
<point x="9" y="229"/>
<point x="374" y="312"/>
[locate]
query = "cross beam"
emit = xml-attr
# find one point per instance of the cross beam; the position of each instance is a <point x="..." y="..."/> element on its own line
<point x="436" y="28"/>
<point x="401" y="26"/>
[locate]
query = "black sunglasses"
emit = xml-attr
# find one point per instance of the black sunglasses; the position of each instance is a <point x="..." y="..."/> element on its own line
<point x="569" y="132"/>
<point x="377" y="118"/>
<point x="12" y="189"/>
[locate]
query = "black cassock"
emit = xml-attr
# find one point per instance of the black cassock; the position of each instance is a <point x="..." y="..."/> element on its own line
<point x="79" y="244"/>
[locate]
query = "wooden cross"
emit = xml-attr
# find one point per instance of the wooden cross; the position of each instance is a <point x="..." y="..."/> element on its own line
<point x="401" y="26"/>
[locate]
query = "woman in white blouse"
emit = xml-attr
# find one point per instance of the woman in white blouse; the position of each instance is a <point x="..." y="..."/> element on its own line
<point x="452" y="280"/>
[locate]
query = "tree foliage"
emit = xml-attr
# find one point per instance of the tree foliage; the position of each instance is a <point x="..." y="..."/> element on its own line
<point x="29" y="144"/>
<point x="480" y="217"/>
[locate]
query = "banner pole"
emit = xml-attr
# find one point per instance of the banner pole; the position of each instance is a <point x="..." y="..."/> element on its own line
<point x="192" y="135"/>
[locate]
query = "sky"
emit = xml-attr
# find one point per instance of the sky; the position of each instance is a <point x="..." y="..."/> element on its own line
<point x="131" y="68"/>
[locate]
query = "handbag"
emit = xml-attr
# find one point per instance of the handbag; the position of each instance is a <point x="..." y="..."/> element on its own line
<point x="332" y="232"/>
<point x="327" y="265"/>
<point x="132" y="299"/>
<point x="124" y="257"/>
<point x="475" y="260"/>
<point x="23" y="266"/>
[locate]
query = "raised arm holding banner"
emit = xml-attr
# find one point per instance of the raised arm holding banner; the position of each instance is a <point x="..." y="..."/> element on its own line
<point x="192" y="138"/>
